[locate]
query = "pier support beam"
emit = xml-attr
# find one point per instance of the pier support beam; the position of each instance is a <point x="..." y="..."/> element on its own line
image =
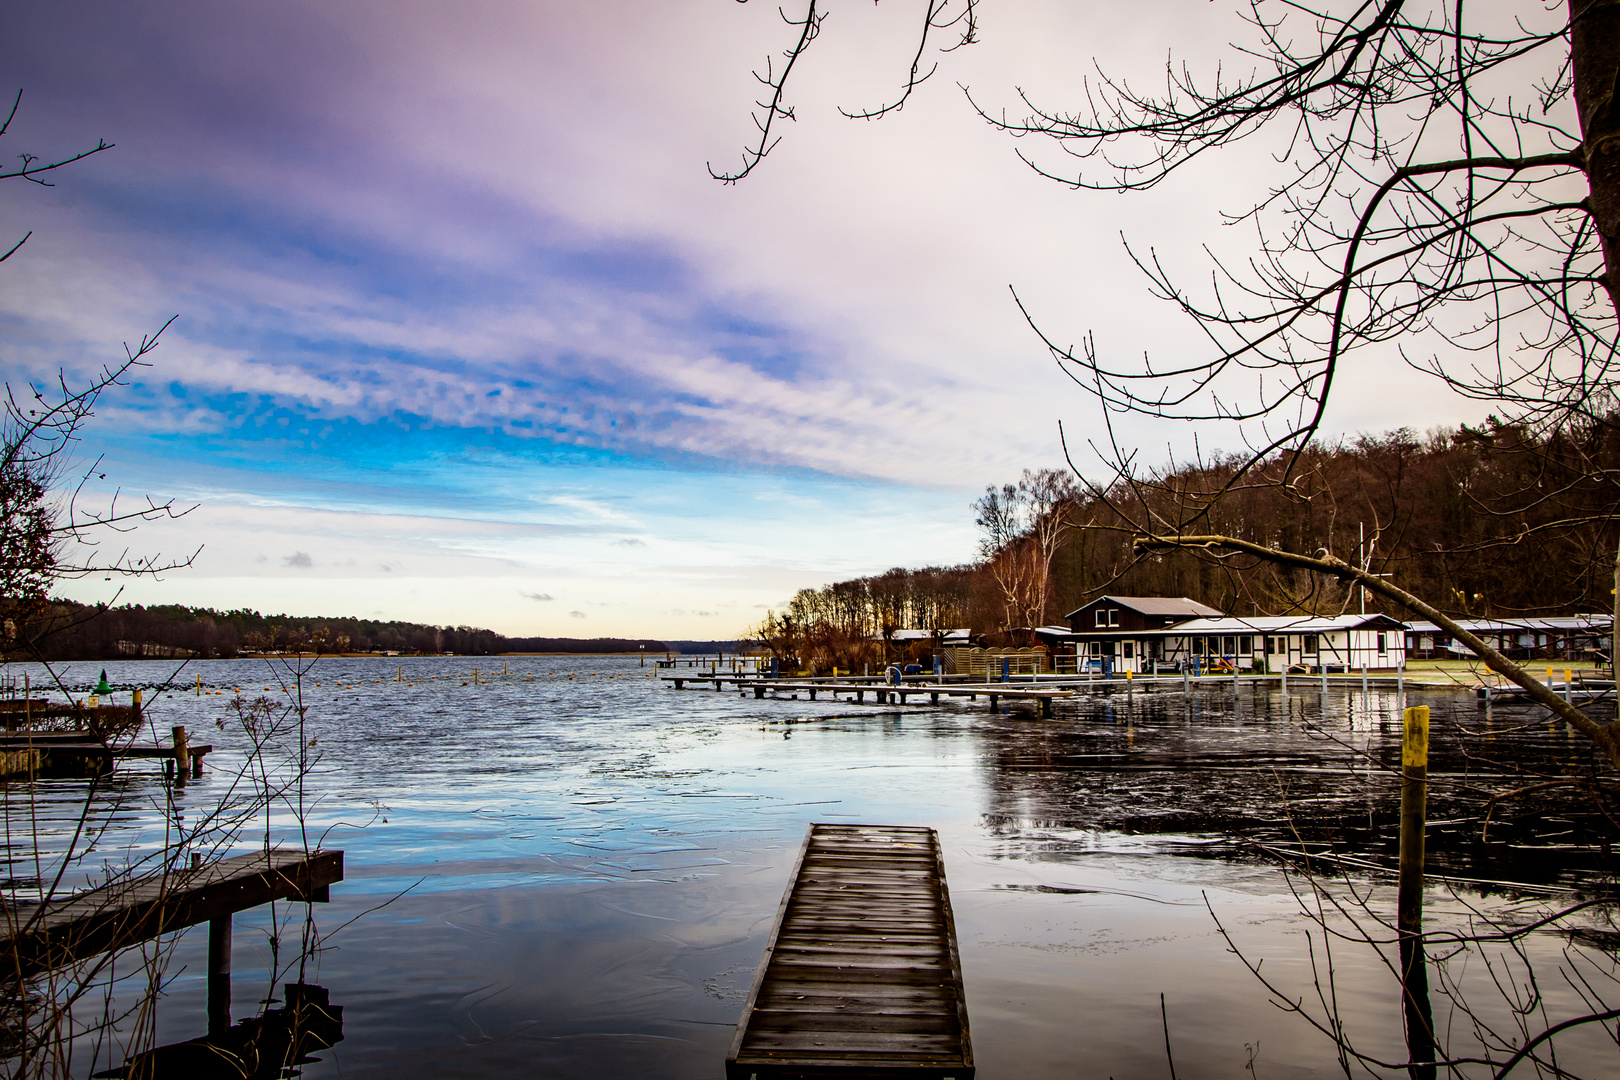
<point x="219" y="975"/>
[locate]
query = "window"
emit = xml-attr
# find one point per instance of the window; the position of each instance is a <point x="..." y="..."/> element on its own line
<point x="1152" y="649"/>
<point x="1245" y="645"/>
<point x="1309" y="647"/>
<point x="1271" y="645"/>
<point x="1383" y="644"/>
<point x="1102" y="617"/>
<point x="1228" y="646"/>
<point x="1113" y="616"/>
<point x="1127" y="649"/>
<point x="1096" y="648"/>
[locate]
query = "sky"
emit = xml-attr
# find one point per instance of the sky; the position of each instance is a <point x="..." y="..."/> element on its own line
<point x="466" y="334"/>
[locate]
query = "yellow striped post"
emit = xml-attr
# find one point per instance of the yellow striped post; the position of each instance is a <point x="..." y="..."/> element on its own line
<point x="1409" y="894"/>
<point x="1414" y="800"/>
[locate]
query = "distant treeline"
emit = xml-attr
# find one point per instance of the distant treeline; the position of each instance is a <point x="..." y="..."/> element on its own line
<point x="66" y="630"/>
<point x="1494" y="521"/>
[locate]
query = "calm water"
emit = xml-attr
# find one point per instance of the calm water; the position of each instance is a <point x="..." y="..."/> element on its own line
<point x="570" y="870"/>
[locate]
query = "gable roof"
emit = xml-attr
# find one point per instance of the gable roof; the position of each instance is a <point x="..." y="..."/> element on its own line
<point x="1156" y="606"/>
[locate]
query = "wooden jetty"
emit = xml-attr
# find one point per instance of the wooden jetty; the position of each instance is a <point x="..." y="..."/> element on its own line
<point x="861" y="976"/>
<point x="38" y="938"/>
<point x="82" y="753"/>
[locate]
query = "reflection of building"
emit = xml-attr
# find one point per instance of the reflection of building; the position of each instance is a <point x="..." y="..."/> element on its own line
<point x="1155" y="633"/>
<point x="1570" y="637"/>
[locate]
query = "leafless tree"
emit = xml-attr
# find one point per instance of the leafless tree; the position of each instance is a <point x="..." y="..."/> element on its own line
<point x="1447" y="188"/>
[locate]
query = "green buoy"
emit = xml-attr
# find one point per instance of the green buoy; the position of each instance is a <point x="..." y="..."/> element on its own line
<point x="102" y="687"/>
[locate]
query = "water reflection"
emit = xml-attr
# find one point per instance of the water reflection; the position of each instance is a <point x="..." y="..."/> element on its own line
<point x="569" y="870"/>
<point x="266" y="1047"/>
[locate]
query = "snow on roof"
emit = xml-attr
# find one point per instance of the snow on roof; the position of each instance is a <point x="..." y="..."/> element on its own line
<point x="1155" y="605"/>
<point x="1252" y="624"/>
<point x="1554" y="622"/>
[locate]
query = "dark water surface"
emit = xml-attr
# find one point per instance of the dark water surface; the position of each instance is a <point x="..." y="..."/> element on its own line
<point x="570" y="870"/>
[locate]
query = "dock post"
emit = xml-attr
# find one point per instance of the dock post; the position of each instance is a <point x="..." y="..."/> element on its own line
<point x="992" y="703"/>
<point x="182" y="756"/>
<point x="135" y="701"/>
<point x="1046" y="708"/>
<point x="1409" y="894"/>
<point x="1186" y="680"/>
<point x="1364" y="678"/>
<point x="219" y="975"/>
<point x="1400" y="686"/>
<point x="1323" y="666"/>
<point x="1285" y="677"/>
<point x="1569" y="681"/>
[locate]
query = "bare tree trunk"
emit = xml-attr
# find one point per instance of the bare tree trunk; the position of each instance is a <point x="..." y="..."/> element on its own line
<point x="1594" y="58"/>
<point x="1594" y="55"/>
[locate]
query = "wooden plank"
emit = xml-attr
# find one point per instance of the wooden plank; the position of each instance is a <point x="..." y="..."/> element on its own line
<point x="61" y="932"/>
<point x="861" y="976"/>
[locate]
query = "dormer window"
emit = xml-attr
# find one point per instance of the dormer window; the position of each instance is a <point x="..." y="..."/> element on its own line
<point x="1102" y="617"/>
<point x="1113" y="616"/>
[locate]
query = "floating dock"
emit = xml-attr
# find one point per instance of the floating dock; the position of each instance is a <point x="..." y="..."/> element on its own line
<point x="861" y="976"/>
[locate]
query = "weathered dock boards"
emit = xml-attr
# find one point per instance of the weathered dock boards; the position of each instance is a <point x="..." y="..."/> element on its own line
<point x="861" y="976"/>
<point x="130" y="911"/>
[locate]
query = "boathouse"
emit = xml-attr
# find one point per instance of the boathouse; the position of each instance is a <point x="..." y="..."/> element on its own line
<point x="1564" y="637"/>
<point x="1147" y="634"/>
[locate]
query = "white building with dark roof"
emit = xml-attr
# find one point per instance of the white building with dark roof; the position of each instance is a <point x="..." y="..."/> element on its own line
<point x="1140" y="634"/>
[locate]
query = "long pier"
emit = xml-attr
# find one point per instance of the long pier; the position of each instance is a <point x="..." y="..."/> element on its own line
<point x="861" y="976"/>
<point x="1043" y="688"/>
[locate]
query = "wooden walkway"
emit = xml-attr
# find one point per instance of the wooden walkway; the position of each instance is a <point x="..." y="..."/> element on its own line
<point x="861" y="975"/>
<point x="113" y="917"/>
<point x="82" y="753"/>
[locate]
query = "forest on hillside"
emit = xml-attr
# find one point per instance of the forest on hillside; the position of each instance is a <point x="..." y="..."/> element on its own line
<point x="1489" y="521"/>
<point x="66" y="630"/>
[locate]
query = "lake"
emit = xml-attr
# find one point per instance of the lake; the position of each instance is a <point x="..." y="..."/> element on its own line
<point x="570" y="869"/>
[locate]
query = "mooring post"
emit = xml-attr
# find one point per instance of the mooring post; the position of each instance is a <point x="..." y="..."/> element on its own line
<point x="182" y="756"/>
<point x="1400" y="686"/>
<point x="219" y="975"/>
<point x="1569" y="681"/>
<point x="1409" y="893"/>
<point x="1186" y="679"/>
<point x="1323" y="666"/>
<point x="1364" y="679"/>
<point x="1285" y="676"/>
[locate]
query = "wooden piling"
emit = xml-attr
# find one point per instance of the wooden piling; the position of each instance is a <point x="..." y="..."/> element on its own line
<point x="219" y="974"/>
<point x="1409" y="894"/>
<point x="182" y="759"/>
<point x="1414" y="799"/>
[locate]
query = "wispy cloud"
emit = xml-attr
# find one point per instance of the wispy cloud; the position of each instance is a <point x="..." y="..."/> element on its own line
<point x="538" y="597"/>
<point x="299" y="560"/>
